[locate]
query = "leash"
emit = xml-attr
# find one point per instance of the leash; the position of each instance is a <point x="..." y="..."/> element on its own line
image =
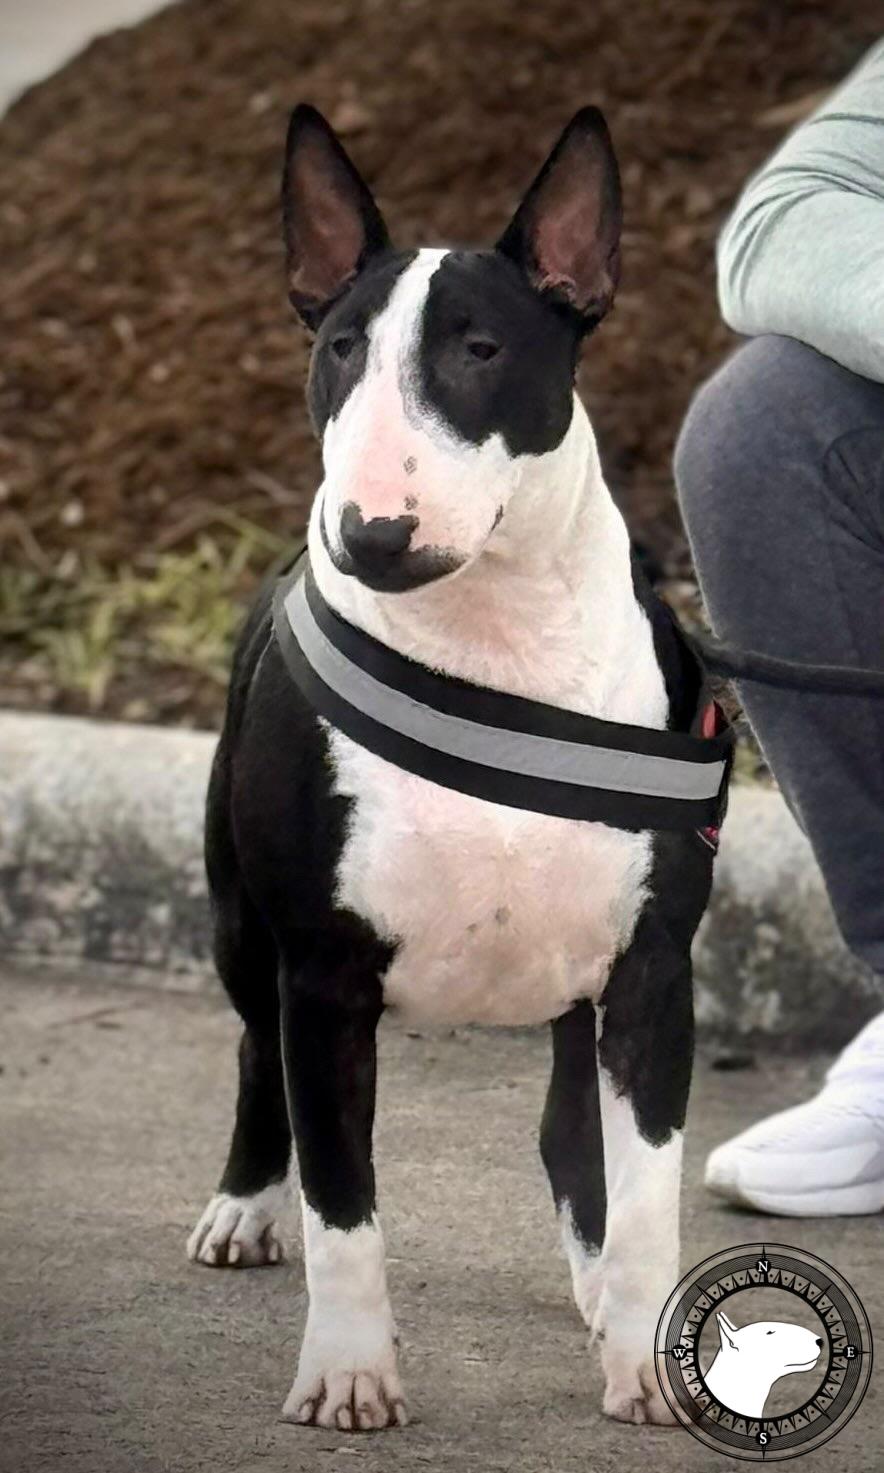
<point x="493" y="745"/>
<point x="734" y="663"/>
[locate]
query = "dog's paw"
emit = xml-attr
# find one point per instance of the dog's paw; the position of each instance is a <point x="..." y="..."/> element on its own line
<point x="351" y="1401"/>
<point x="632" y="1391"/>
<point x="240" y="1232"/>
<point x="638" y="1401"/>
<point x="348" y="1380"/>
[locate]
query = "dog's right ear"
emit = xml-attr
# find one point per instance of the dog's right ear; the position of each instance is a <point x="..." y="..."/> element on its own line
<point x="726" y="1332"/>
<point x="331" y="223"/>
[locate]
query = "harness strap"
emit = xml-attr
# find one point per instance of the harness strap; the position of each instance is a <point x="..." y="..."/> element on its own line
<point x="490" y="744"/>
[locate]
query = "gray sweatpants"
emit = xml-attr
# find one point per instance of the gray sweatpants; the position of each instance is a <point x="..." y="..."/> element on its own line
<point x="780" y="471"/>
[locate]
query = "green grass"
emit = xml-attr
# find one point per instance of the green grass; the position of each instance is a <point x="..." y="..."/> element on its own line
<point x="78" y="632"/>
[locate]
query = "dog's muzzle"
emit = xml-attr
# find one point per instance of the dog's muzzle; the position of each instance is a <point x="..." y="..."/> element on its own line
<point x="379" y="552"/>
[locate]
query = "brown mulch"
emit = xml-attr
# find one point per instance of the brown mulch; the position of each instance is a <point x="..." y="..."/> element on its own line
<point x="151" y="377"/>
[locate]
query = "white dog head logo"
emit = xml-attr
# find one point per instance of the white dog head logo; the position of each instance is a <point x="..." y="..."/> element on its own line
<point x="751" y="1359"/>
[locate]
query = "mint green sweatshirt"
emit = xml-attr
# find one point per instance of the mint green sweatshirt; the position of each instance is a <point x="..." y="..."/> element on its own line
<point x="803" y="252"/>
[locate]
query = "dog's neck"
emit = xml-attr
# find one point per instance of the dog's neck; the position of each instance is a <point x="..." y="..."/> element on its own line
<point x="754" y="1384"/>
<point x="547" y="610"/>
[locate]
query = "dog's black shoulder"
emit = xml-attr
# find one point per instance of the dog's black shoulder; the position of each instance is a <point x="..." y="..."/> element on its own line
<point x="681" y="870"/>
<point x="251" y="643"/>
<point x="681" y="669"/>
<point x="272" y="787"/>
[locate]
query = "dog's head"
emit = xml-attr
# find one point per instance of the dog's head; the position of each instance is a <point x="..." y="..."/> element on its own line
<point x="438" y="378"/>
<point x="774" y="1346"/>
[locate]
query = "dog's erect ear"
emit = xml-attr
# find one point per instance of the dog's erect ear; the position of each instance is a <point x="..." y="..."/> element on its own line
<point x="726" y="1331"/>
<point x="566" y="232"/>
<point x="332" y="225"/>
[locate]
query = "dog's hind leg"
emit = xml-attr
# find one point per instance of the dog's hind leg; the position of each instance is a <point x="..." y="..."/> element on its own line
<point x="572" y="1150"/>
<point x="645" y="1052"/>
<point x="240" y="1226"/>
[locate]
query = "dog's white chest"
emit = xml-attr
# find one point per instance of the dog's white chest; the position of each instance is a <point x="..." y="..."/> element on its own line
<point x="500" y="916"/>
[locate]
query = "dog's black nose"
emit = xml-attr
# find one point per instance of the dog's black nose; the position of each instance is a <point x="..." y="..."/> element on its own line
<point x="375" y="545"/>
<point x="820" y="1344"/>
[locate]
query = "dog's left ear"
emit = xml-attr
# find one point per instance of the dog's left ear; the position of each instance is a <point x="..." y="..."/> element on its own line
<point x="331" y="223"/>
<point x="565" y="234"/>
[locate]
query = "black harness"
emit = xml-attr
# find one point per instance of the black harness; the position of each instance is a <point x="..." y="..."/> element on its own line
<point x="492" y="745"/>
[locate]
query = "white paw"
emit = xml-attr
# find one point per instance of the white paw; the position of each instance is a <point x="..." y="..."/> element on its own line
<point x="635" y="1397"/>
<point x="347" y="1374"/>
<point x="355" y="1389"/>
<point x="240" y="1232"/>
<point x="632" y="1391"/>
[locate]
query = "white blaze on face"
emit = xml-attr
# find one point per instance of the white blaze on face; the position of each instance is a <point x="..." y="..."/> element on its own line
<point x="388" y="454"/>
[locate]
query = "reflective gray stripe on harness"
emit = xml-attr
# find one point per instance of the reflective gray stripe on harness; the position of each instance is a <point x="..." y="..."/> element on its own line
<point x="488" y="743"/>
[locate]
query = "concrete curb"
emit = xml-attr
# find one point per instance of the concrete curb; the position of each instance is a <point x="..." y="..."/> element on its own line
<point x="101" y="862"/>
<point x="101" y="844"/>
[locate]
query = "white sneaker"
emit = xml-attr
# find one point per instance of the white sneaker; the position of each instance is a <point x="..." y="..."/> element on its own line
<point x="821" y="1159"/>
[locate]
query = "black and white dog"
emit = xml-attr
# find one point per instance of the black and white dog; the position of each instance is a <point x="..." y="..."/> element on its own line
<point x="464" y="522"/>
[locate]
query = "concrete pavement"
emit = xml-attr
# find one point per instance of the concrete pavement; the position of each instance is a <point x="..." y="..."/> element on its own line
<point x="117" y="1356"/>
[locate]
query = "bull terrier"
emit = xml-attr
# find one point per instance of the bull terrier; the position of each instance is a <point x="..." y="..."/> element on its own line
<point x="463" y="524"/>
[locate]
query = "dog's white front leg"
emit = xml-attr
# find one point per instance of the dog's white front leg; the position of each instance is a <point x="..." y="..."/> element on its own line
<point x="645" y="1050"/>
<point x="347" y="1373"/>
<point x="639" y="1262"/>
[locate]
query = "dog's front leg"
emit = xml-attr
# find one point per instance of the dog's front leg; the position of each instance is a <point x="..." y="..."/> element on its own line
<point x="347" y="1374"/>
<point x="645" y="1053"/>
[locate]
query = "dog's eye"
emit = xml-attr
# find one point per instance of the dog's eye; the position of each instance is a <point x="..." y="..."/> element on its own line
<point x="342" y="344"/>
<point x="482" y="348"/>
<point x="771" y="1332"/>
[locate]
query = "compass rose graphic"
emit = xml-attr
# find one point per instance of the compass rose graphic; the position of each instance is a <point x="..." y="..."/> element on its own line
<point x="764" y="1352"/>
